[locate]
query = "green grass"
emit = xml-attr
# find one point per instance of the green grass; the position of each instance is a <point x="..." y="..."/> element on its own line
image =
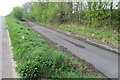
<point x="36" y="59"/>
<point x="102" y="35"/>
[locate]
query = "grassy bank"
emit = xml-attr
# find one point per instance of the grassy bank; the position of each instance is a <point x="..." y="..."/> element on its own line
<point x="36" y="59"/>
<point x="105" y="36"/>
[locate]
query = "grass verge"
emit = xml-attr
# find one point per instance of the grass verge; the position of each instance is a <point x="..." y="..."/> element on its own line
<point x="105" y="36"/>
<point x="36" y="59"/>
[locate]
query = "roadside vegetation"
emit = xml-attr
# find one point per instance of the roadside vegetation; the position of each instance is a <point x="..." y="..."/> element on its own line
<point x="98" y="20"/>
<point x="36" y="59"/>
<point x="105" y="36"/>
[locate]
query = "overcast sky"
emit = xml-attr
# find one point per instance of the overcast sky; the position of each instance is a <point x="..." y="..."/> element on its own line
<point x="7" y="5"/>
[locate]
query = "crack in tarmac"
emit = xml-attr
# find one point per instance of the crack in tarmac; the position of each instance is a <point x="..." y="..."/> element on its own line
<point x="77" y="45"/>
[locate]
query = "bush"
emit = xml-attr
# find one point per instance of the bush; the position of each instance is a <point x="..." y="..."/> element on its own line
<point x="17" y="12"/>
<point x="26" y="69"/>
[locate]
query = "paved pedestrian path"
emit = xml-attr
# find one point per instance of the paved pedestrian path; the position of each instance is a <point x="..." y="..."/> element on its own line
<point x="8" y="68"/>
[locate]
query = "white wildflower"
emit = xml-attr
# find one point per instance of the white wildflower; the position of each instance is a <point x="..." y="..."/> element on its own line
<point x="93" y="34"/>
<point x="23" y="37"/>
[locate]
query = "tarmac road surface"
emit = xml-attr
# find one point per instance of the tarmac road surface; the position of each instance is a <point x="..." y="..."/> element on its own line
<point x="105" y="61"/>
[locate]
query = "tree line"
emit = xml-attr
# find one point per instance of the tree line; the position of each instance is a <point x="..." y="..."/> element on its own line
<point x="89" y="14"/>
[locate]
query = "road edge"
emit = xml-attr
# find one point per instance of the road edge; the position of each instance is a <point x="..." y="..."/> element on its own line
<point x="13" y="62"/>
<point x="15" y="75"/>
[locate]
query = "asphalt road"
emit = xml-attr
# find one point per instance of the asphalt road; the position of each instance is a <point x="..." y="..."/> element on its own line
<point x="6" y="61"/>
<point x="105" y="61"/>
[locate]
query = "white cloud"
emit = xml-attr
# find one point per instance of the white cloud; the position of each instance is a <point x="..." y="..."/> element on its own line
<point x="6" y="6"/>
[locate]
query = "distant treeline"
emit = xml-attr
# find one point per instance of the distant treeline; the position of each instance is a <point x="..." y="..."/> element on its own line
<point x="90" y="14"/>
